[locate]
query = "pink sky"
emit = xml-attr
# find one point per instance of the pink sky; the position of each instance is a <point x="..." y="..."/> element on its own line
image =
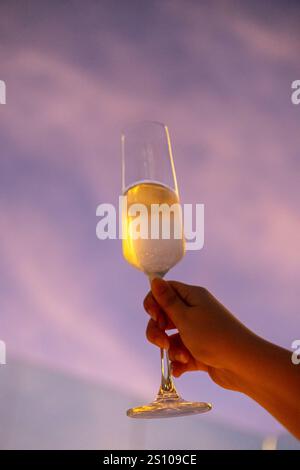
<point x="220" y="78"/>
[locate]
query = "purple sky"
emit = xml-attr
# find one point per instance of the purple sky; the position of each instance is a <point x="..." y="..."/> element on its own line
<point x="219" y="74"/>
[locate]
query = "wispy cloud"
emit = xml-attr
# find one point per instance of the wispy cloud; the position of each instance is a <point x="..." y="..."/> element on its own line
<point x="220" y="78"/>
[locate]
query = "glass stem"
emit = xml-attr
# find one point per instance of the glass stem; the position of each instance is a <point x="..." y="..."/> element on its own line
<point x="167" y="387"/>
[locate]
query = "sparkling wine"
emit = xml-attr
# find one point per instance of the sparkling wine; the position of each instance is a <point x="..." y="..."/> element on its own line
<point x="153" y="256"/>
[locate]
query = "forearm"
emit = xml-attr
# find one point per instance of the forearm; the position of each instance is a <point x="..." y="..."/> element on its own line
<point x="269" y="377"/>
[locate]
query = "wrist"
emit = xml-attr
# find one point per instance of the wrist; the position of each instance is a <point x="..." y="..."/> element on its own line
<point x="248" y="353"/>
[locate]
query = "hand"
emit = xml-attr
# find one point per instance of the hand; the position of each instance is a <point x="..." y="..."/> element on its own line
<point x="209" y="337"/>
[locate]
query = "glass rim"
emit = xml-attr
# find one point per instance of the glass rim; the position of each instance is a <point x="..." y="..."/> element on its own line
<point x="136" y="123"/>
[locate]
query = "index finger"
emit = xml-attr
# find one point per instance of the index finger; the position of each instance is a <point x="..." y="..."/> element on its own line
<point x="156" y="312"/>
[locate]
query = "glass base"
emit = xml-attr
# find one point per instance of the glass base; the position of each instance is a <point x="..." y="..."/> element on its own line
<point x="168" y="407"/>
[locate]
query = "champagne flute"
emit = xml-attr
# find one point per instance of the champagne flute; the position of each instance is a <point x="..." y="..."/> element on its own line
<point x="149" y="178"/>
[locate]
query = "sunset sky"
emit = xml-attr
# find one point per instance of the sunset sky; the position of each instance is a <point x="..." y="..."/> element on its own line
<point x="219" y="75"/>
